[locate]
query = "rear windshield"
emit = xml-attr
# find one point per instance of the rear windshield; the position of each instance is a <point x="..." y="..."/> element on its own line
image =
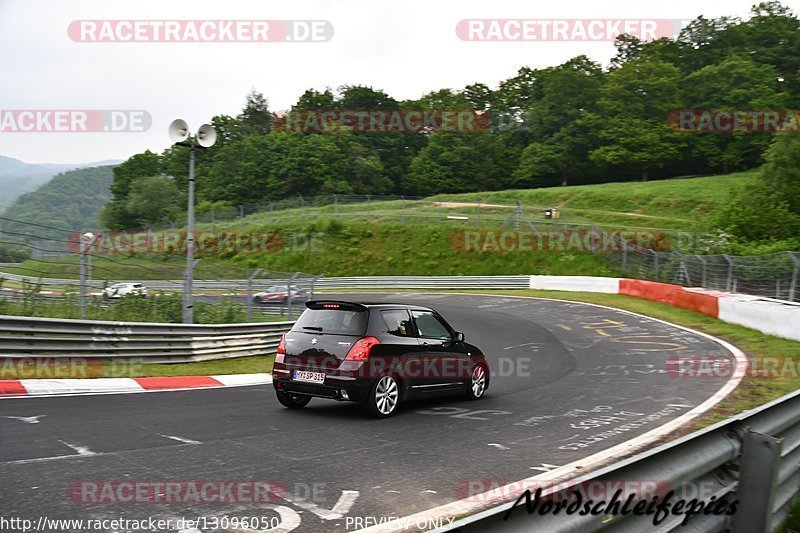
<point x="333" y="321"/>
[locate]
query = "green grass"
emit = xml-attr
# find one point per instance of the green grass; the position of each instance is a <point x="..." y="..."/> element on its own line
<point x="369" y="238"/>
<point x="239" y="365"/>
<point x="672" y="203"/>
<point x="346" y="248"/>
<point x="666" y="204"/>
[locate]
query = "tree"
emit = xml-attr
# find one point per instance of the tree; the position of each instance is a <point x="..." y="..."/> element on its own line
<point x="737" y="83"/>
<point x="255" y="118"/>
<point x="151" y="200"/>
<point x="758" y="213"/>
<point x="137" y="166"/>
<point x="566" y="92"/>
<point x="313" y="100"/>
<point x="782" y="169"/>
<point x="538" y="162"/>
<point x="479" y="96"/>
<point x="459" y="162"/>
<point x="643" y="88"/>
<point x="279" y="165"/>
<point x="115" y="214"/>
<point x="769" y="207"/>
<point x="634" y="142"/>
<point x="634" y="105"/>
<point x="563" y="157"/>
<point x="227" y="129"/>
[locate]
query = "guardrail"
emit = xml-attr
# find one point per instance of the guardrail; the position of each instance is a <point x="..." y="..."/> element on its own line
<point x="425" y="282"/>
<point x="397" y="282"/>
<point x="753" y="457"/>
<point x="138" y="341"/>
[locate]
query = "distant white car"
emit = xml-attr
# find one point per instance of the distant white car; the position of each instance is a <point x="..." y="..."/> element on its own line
<point x="118" y="290"/>
<point x="279" y="294"/>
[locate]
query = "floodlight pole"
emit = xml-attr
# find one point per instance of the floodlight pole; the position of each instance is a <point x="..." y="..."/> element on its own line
<point x="86" y="240"/>
<point x="250" y="294"/>
<point x="82" y="282"/>
<point x="188" y="304"/>
<point x="206" y="137"/>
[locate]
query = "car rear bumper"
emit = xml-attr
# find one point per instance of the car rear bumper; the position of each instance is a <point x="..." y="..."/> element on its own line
<point x="335" y="387"/>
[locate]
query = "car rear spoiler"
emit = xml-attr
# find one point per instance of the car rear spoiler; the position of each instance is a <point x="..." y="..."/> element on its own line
<point x="335" y="304"/>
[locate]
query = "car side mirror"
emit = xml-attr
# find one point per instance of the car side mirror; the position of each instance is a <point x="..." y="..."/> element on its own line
<point x="458" y="337"/>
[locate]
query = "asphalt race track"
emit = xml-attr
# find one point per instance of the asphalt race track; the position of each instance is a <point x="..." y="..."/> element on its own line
<point x="565" y="376"/>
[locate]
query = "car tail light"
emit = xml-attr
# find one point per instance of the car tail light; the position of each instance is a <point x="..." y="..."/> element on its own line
<point x="281" y="345"/>
<point x="280" y="351"/>
<point x="360" y="350"/>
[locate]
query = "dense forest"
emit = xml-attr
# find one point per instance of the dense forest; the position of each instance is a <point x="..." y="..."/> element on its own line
<point x="576" y="123"/>
<point x="71" y="200"/>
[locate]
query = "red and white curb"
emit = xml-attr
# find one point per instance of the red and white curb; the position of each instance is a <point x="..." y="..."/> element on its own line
<point x="60" y="387"/>
<point x="767" y="315"/>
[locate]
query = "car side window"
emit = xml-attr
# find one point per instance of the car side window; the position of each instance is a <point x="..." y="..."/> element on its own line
<point x="398" y="322"/>
<point x="430" y="326"/>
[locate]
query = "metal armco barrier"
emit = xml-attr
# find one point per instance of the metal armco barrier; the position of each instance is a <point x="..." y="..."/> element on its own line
<point x="140" y="341"/>
<point x="753" y="457"/>
<point x="383" y="282"/>
<point x="425" y="282"/>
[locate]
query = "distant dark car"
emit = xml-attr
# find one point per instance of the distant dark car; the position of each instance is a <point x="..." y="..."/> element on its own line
<point x="279" y="294"/>
<point x="376" y="354"/>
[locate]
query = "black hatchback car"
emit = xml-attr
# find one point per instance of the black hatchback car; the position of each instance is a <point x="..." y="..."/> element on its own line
<point x="378" y="355"/>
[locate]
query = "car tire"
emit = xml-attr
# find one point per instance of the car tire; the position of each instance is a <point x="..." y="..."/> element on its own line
<point x="292" y="401"/>
<point x="478" y="382"/>
<point x="383" y="398"/>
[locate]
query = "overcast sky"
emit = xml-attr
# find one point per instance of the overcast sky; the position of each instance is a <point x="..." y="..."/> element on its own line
<point x="405" y="48"/>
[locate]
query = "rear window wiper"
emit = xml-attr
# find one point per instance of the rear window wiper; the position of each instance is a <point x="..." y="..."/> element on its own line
<point x="315" y="328"/>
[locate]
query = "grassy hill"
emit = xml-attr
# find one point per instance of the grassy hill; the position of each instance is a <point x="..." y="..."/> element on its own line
<point x="672" y="203"/>
<point x="70" y="200"/>
<point x="404" y="237"/>
<point x="18" y="177"/>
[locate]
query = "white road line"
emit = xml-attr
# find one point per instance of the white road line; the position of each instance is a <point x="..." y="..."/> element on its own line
<point x="545" y="467"/>
<point x="180" y="439"/>
<point x="342" y="507"/>
<point x="45" y="459"/>
<point x="82" y="450"/>
<point x="26" y="419"/>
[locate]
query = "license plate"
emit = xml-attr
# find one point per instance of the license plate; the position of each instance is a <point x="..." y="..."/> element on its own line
<point x="308" y="377"/>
